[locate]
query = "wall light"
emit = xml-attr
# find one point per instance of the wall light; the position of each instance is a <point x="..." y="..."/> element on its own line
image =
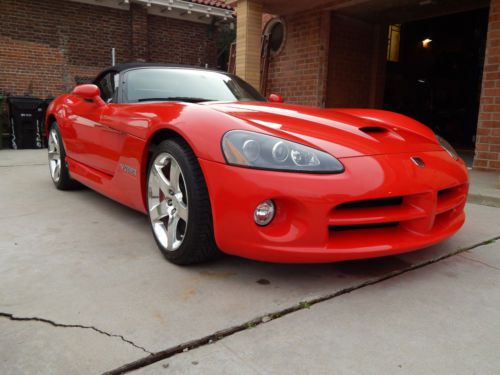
<point x="426" y="43"/>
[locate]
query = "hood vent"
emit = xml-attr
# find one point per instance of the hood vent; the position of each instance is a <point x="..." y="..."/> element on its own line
<point x="373" y="129"/>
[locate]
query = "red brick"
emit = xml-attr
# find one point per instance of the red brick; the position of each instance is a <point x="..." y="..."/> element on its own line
<point x="488" y="131"/>
<point x="482" y="147"/>
<point x="46" y="45"/>
<point x="494" y="164"/>
<point x="480" y="164"/>
<point x="298" y="72"/>
<point x="482" y="131"/>
<point x="486" y="155"/>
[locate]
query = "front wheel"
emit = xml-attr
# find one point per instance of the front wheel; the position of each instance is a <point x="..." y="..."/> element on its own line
<point x="58" y="167"/>
<point x="178" y="205"/>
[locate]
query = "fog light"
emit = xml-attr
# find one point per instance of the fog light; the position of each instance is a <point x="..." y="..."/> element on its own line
<point x="264" y="213"/>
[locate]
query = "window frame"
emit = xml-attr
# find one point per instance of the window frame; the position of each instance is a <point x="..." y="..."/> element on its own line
<point x="115" y="98"/>
<point x="123" y="88"/>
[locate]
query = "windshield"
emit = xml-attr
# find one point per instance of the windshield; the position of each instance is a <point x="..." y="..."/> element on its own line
<point x="183" y="84"/>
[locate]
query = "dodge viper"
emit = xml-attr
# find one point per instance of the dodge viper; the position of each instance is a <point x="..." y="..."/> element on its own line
<point x="218" y="168"/>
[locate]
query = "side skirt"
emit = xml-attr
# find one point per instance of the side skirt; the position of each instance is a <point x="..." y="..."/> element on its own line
<point x="120" y="187"/>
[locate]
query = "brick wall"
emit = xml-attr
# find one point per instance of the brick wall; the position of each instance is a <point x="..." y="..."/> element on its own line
<point x="330" y="60"/>
<point x="45" y="46"/>
<point x="193" y="44"/>
<point x="139" y="26"/>
<point x="298" y="73"/>
<point x="356" y="63"/>
<point x="488" y="129"/>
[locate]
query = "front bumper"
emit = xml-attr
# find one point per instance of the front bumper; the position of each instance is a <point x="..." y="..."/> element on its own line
<point x="380" y="205"/>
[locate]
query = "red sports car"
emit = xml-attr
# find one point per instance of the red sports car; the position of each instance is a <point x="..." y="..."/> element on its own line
<point x="217" y="167"/>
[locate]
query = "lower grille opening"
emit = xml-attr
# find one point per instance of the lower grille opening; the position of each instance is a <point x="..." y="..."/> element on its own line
<point x="343" y="228"/>
<point x="445" y="192"/>
<point x="383" y="202"/>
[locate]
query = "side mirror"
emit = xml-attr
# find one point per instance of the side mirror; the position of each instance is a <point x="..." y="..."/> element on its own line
<point x="275" y="98"/>
<point x="89" y="92"/>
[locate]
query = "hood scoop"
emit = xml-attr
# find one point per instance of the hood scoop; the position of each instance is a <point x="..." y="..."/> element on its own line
<point x="373" y="129"/>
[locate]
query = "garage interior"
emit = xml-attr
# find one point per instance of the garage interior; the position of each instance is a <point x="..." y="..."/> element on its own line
<point x="433" y="68"/>
<point x="436" y="76"/>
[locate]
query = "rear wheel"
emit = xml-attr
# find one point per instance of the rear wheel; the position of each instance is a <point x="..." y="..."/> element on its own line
<point x="178" y="205"/>
<point x="58" y="167"/>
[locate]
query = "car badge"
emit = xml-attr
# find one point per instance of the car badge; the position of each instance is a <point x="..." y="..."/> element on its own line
<point x="418" y="161"/>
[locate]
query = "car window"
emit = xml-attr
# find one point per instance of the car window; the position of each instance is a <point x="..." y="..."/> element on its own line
<point x="187" y="85"/>
<point x="108" y="85"/>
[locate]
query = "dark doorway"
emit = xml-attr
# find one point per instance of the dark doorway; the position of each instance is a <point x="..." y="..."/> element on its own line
<point x="437" y="78"/>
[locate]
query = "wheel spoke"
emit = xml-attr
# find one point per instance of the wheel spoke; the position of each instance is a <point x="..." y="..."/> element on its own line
<point x="163" y="183"/>
<point x="57" y="171"/>
<point x="182" y="212"/>
<point x="175" y="173"/>
<point x="54" y="155"/>
<point x="172" y="232"/>
<point x="52" y="166"/>
<point x="158" y="212"/>
<point x="167" y="201"/>
<point x="53" y="135"/>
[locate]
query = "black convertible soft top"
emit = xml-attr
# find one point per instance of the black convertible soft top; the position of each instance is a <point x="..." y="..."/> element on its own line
<point x="126" y="66"/>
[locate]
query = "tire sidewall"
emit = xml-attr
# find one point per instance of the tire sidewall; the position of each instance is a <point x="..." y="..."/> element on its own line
<point x="64" y="177"/>
<point x="180" y="155"/>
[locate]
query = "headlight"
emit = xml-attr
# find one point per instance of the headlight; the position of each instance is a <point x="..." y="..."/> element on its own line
<point x="448" y="148"/>
<point x="256" y="150"/>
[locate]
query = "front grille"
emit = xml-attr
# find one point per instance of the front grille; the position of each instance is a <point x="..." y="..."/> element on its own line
<point x="342" y="228"/>
<point x="450" y="198"/>
<point x="417" y="213"/>
<point x="383" y="202"/>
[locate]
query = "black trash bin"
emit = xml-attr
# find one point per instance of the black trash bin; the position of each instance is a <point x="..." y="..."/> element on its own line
<point x="26" y="121"/>
<point x="42" y="109"/>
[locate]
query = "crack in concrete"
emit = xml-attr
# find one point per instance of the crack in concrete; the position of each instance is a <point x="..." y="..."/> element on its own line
<point x="263" y="319"/>
<point x="54" y="324"/>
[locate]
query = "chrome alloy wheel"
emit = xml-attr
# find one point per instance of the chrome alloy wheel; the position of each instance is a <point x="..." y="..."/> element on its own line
<point x="54" y="155"/>
<point x="167" y="201"/>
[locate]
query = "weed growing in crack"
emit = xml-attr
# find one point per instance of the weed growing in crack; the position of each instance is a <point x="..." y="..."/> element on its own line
<point x="304" y="305"/>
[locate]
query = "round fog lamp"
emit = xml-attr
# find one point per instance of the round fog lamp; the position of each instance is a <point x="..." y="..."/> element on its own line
<point x="264" y="213"/>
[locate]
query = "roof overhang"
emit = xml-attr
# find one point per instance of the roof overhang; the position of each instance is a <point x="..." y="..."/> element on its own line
<point x="380" y="11"/>
<point x="179" y="9"/>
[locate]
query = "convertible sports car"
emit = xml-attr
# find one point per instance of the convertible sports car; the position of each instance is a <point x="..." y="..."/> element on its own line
<point x="217" y="167"/>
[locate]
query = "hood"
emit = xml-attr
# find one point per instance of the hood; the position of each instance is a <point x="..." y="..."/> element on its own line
<point x="342" y="133"/>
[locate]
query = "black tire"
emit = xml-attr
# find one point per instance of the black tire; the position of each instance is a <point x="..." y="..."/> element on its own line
<point x="64" y="181"/>
<point x="198" y="243"/>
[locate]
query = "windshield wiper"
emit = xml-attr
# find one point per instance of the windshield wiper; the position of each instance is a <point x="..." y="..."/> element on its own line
<point x="176" y="99"/>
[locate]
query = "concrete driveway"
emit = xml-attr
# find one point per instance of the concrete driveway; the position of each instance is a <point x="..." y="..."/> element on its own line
<point x="84" y="290"/>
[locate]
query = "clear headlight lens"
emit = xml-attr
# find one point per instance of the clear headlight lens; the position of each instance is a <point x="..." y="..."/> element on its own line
<point x="448" y="148"/>
<point x="256" y="150"/>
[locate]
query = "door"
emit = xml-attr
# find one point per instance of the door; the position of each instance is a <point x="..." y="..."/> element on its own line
<point x="81" y="129"/>
<point x="108" y="139"/>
